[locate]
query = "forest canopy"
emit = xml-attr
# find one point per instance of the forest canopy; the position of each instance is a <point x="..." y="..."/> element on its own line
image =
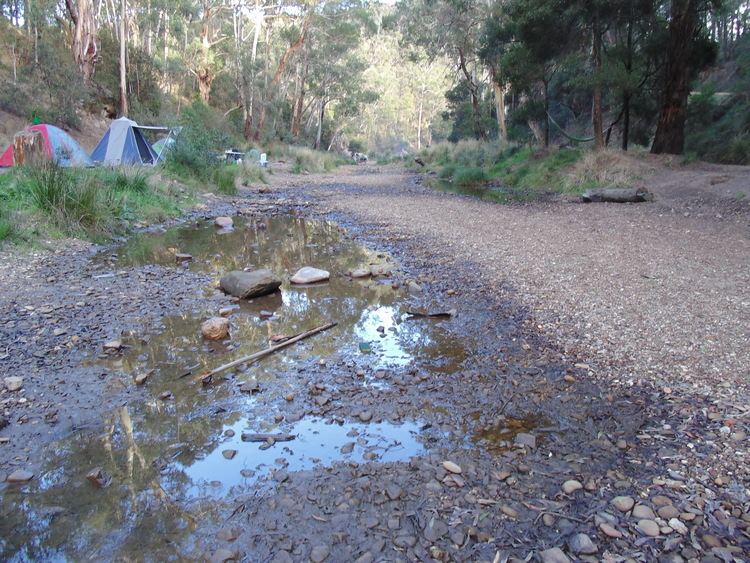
<point x="671" y="76"/>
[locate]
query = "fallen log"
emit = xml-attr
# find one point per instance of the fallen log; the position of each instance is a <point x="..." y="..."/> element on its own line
<point x="437" y="315"/>
<point x="205" y="378"/>
<point x="250" y="437"/>
<point x="617" y="195"/>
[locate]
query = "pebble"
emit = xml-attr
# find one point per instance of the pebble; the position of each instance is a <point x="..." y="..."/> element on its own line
<point x="508" y="511"/>
<point x="319" y="553"/>
<point x="623" y="504"/>
<point x="19" y="476"/>
<point x="711" y="540"/>
<point x="222" y="555"/>
<point x="13" y="383"/>
<point x="365" y="416"/>
<point x="648" y="528"/>
<point x="435" y="529"/>
<point x="229" y="454"/>
<point x="141" y="378"/>
<point x="661" y="500"/>
<point x="452" y="467"/>
<point x="224" y="222"/>
<point x="524" y="439"/>
<point x="678" y="526"/>
<point x="366" y="557"/>
<point x="215" y="328"/>
<point x="405" y="541"/>
<point x="554" y="555"/>
<point x="609" y="530"/>
<point x="668" y="512"/>
<point x="571" y="486"/>
<point x="643" y="512"/>
<point x="581" y="543"/>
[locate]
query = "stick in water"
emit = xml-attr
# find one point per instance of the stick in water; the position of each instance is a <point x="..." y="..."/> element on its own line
<point x="206" y="377"/>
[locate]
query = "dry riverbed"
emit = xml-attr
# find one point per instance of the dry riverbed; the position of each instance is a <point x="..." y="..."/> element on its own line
<point x="519" y="425"/>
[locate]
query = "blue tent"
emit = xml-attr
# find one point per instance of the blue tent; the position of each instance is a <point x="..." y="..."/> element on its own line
<point x="124" y="143"/>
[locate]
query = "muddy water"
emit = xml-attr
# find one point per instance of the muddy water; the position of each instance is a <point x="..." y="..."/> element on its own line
<point x="169" y="458"/>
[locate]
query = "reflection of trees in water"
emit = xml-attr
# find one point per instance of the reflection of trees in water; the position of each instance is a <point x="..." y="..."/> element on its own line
<point x="134" y="515"/>
<point x="282" y="245"/>
<point x="139" y="510"/>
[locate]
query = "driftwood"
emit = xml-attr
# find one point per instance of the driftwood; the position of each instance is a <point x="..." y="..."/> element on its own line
<point x="437" y="315"/>
<point x="206" y="377"/>
<point x="249" y="437"/>
<point x="617" y="195"/>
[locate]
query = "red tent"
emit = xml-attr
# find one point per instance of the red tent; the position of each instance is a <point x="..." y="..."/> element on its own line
<point x="58" y="145"/>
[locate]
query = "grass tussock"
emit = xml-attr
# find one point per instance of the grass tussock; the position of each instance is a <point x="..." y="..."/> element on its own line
<point x="74" y="202"/>
<point x="305" y="160"/>
<point x="607" y="168"/>
<point x="52" y="201"/>
<point x="251" y="173"/>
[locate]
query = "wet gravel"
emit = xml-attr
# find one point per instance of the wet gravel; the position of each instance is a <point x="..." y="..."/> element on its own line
<point x="542" y="426"/>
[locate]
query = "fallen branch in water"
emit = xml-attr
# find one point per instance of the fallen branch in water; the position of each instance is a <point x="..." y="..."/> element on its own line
<point x="438" y="315"/>
<point x="250" y="437"/>
<point x="206" y="377"/>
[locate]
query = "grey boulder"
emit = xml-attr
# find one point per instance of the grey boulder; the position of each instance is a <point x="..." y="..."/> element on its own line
<point x="246" y="285"/>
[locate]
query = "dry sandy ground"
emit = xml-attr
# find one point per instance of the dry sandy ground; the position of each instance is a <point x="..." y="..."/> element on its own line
<point x="655" y="291"/>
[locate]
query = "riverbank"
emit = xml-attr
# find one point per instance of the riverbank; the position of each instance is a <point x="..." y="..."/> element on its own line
<point x="558" y="420"/>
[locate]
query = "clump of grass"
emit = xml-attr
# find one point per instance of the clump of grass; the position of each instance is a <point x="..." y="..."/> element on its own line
<point x="469" y="176"/>
<point x="121" y="181"/>
<point x="224" y="177"/>
<point x="7" y="226"/>
<point x="312" y="161"/>
<point x="608" y="168"/>
<point x="252" y="173"/>
<point x="73" y="200"/>
<point x="447" y="171"/>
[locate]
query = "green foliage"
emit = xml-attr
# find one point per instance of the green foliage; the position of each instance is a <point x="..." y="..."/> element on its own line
<point x="94" y="203"/>
<point x="252" y="173"/>
<point x="306" y="160"/>
<point x="73" y="201"/>
<point x="195" y="153"/>
<point x="7" y="227"/>
<point x="224" y="178"/>
<point x="718" y="126"/>
<point x="469" y="176"/>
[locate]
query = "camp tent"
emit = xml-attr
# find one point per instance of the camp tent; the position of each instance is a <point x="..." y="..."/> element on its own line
<point x="57" y="145"/>
<point x="124" y="143"/>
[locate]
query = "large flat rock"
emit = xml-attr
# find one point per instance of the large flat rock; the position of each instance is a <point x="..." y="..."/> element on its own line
<point x="310" y="275"/>
<point x="250" y="284"/>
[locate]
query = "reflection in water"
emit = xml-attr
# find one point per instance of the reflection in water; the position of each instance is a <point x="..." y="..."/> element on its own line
<point x="316" y="442"/>
<point x="160" y="454"/>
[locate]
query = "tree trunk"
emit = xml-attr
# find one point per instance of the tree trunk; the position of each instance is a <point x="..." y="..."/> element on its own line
<point x="502" y="127"/>
<point x="626" y="94"/>
<point x="84" y="37"/>
<point x="319" y="135"/>
<point x="123" y="59"/>
<point x="670" y="130"/>
<point x="299" y="103"/>
<point x="546" y="114"/>
<point x="473" y="90"/>
<point x="596" y="113"/>
<point x="205" y="74"/>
